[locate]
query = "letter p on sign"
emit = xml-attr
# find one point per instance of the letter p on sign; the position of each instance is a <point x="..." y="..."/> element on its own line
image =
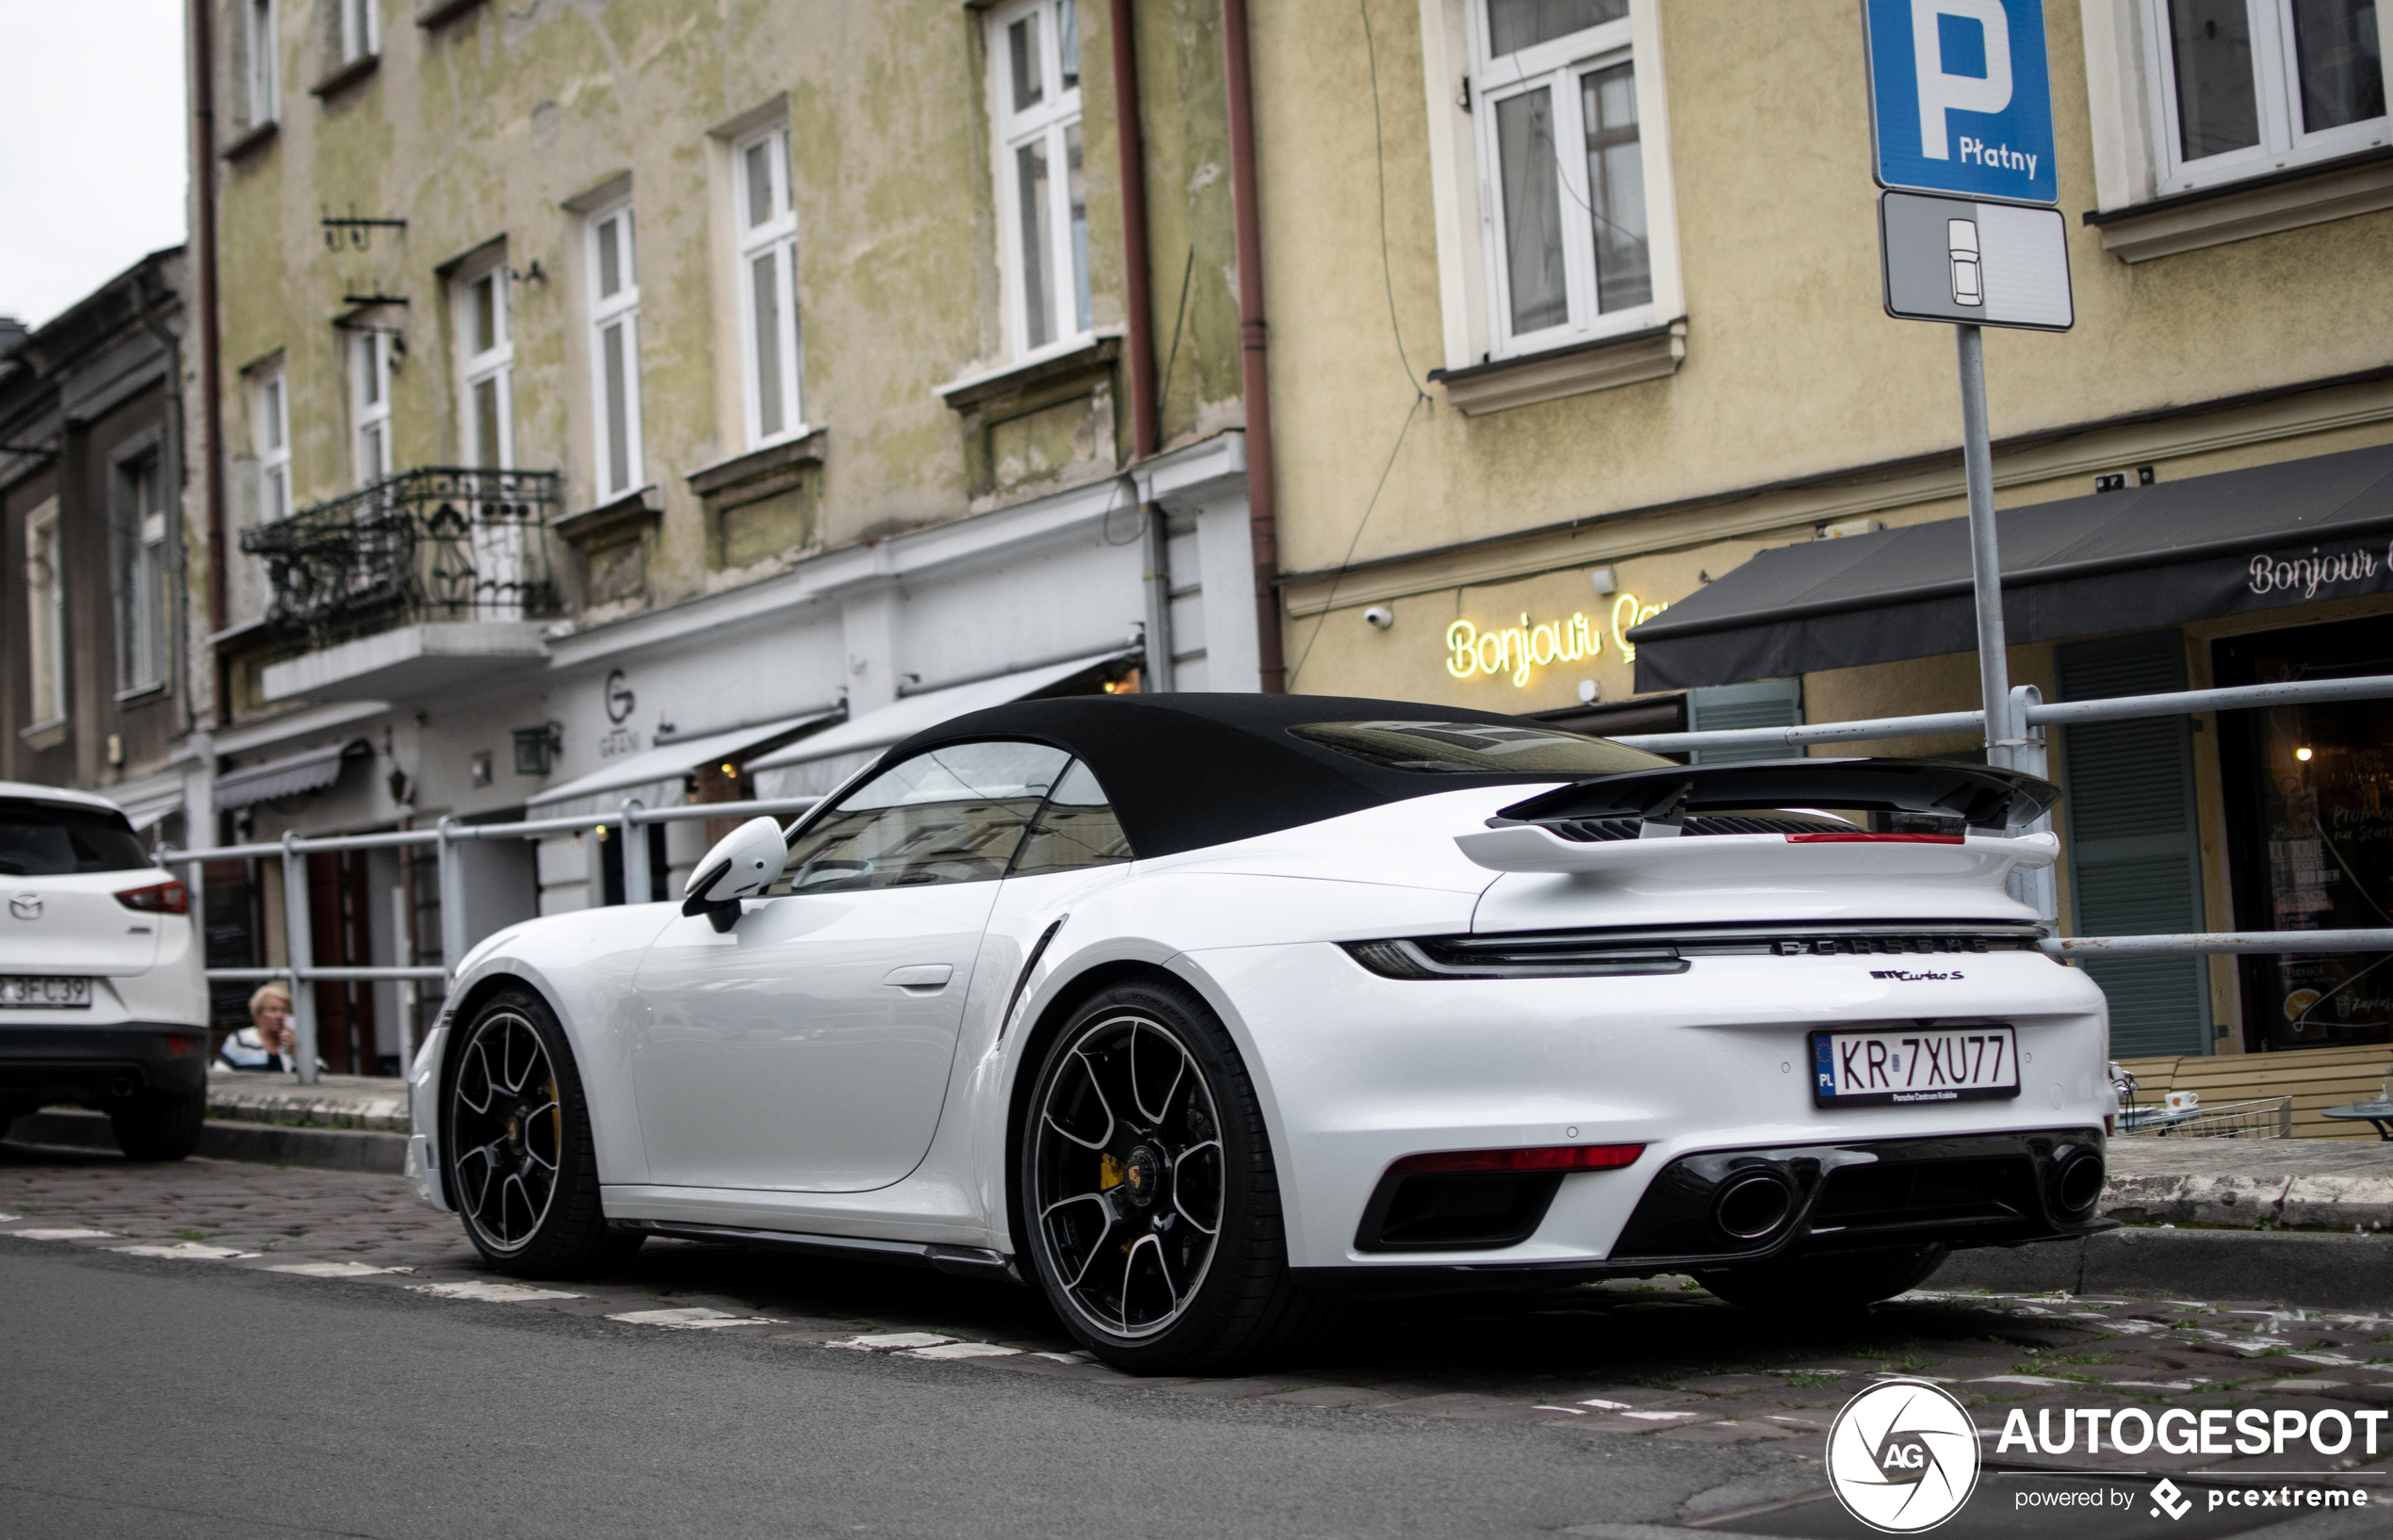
<point x="1940" y="91"/>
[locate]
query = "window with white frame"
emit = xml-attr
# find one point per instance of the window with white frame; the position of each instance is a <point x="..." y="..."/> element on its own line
<point x="143" y="592"/>
<point x="264" y="87"/>
<point x="614" y="351"/>
<point x="1035" y="95"/>
<point x="46" y="614"/>
<point x="270" y="437"/>
<point x="1553" y="90"/>
<point x="369" y="387"/>
<point x="486" y="352"/>
<point x="2244" y="87"/>
<point x="768" y="285"/>
<point x="360" y="29"/>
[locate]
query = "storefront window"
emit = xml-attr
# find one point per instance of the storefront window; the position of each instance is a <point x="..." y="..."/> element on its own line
<point x="2309" y="792"/>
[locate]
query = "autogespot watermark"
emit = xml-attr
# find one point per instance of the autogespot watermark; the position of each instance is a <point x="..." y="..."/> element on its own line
<point x="1903" y="1456"/>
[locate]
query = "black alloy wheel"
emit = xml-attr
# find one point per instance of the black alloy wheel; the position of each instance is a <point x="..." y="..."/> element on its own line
<point x="523" y="1171"/>
<point x="1147" y="1195"/>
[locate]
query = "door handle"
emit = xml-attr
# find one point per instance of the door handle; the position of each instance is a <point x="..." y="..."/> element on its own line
<point x="923" y="976"/>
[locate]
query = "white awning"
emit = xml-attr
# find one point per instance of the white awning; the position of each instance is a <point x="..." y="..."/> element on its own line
<point x="668" y="763"/>
<point x="311" y="771"/>
<point x="150" y="799"/>
<point x="877" y="730"/>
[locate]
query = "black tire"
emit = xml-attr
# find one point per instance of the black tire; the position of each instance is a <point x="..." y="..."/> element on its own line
<point x="518" y="1158"/>
<point x="1811" y="1285"/>
<point x="1140" y="1185"/>
<point x="154" y="1126"/>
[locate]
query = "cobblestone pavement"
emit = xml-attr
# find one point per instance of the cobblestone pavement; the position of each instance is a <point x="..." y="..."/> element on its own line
<point x="1660" y="1359"/>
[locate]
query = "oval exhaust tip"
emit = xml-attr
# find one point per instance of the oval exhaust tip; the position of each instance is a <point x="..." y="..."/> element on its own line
<point x="1752" y="1204"/>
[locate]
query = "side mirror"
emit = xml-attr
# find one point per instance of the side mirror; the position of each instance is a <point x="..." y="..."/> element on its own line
<point x="743" y="864"/>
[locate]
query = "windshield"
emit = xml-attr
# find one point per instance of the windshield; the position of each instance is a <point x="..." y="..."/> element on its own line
<point x="49" y="839"/>
<point x="1476" y="748"/>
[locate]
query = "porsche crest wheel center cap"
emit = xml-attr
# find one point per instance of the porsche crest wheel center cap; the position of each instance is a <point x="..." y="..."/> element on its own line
<point x="1143" y="1175"/>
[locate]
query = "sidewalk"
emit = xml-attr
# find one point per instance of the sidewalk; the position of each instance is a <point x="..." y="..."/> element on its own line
<point x="335" y="1101"/>
<point x="2306" y="1184"/>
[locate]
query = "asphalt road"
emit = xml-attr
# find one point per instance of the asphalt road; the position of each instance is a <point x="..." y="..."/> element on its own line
<point x="155" y="1398"/>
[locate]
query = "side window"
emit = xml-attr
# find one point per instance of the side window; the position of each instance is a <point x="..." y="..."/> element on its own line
<point x="953" y="814"/>
<point x="1074" y="829"/>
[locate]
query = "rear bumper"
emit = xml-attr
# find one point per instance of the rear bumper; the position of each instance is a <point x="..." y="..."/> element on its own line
<point x="1822" y="1200"/>
<point x="98" y="1065"/>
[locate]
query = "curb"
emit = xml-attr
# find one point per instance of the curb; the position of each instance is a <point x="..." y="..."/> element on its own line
<point x="264" y="1143"/>
<point x="2338" y="1272"/>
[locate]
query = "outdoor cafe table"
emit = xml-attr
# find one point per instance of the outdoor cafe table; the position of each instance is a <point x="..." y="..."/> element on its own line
<point x="2378" y="1112"/>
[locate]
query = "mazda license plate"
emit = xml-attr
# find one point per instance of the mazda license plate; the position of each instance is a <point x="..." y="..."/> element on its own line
<point x="41" y="993"/>
<point x="1906" y="1065"/>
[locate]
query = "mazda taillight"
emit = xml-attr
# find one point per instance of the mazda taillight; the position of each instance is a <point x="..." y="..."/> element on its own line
<point x="161" y="899"/>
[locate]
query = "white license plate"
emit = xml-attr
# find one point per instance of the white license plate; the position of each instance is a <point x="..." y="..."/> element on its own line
<point x="33" y="993"/>
<point x="1907" y="1065"/>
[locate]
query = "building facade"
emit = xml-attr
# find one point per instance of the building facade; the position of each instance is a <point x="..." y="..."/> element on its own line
<point x="1580" y="363"/>
<point x="616" y="396"/>
<point x="97" y="606"/>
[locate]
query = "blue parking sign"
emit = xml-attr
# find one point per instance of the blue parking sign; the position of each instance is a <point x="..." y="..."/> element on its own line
<point x="1960" y="98"/>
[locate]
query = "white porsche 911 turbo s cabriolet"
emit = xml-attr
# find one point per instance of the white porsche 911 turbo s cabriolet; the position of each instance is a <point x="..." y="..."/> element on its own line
<point x="1196" y="1011"/>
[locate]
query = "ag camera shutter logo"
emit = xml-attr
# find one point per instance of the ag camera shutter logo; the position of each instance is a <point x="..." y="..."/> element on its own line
<point x="1902" y="1456"/>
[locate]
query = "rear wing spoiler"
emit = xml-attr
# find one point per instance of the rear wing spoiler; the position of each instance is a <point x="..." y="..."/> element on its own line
<point x="1922" y="793"/>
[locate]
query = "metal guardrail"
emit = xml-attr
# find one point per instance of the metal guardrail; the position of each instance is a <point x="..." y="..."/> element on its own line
<point x="298" y="932"/>
<point x="2039" y="713"/>
<point x="2026" y="753"/>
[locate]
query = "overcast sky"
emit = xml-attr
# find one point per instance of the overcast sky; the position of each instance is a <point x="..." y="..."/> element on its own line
<point x="92" y="169"/>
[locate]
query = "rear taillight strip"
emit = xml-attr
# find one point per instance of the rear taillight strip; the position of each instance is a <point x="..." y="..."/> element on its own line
<point x="1538" y="1158"/>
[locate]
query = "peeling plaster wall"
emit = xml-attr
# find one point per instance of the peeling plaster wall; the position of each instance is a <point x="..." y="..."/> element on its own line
<point x="489" y="126"/>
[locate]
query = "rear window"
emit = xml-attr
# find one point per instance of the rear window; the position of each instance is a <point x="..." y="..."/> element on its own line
<point x="48" y="839"/>
<point x="1476" y="748"/>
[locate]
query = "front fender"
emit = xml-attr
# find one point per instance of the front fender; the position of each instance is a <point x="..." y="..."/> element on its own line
<point x="582" y="966"/>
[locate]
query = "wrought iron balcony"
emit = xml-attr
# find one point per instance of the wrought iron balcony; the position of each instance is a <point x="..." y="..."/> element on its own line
<point x="439" y="543"/>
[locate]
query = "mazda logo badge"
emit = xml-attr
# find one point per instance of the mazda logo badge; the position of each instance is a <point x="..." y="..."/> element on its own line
<point x="25" y="907"/>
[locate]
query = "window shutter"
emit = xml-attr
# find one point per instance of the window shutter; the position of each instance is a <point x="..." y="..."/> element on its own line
<point x="1765" y="703"/>
<point x="2135" y="860"/>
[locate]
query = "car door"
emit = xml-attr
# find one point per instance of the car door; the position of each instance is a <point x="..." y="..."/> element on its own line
<point x="808" y="1048"/>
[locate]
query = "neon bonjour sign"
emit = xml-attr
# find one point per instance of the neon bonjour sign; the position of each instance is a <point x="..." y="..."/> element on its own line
<point x="1516" y="649"/>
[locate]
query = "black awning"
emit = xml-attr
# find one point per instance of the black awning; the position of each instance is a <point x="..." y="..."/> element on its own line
<point x="2129" y="560"/>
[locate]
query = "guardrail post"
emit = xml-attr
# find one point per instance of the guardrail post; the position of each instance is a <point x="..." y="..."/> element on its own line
<point x="635" y="853"/>
<point x="298" y="951"/>
<point x="2040" y="886"/>
<point x="452" y="898"/>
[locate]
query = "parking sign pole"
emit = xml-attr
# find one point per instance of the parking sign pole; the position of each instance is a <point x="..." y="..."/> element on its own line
<point x="1985" y="560"/>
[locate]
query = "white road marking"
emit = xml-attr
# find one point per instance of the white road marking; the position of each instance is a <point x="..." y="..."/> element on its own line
<point x="189" y="1251"/>
<point x="495" y="1293"/>
<point x="2038" y="1380"/>
<point x="1659" y="1416"/>
<point x="691" y="1317"/>
<point x="61" y="1235"/>
<point x="1603" y="1405"/>
<point x="962" y="1350"/>
<point x="1068" y="1357"/>
<point x="333" y="1269"/>
<point x="892" y="1341"/>
<point x="9" y="1219"/>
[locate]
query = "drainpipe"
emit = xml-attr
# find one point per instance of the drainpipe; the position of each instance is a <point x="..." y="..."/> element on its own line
<point x="211" y="344"/>
<point x="1263" y="508"/>
<point x="1146" y="431"/>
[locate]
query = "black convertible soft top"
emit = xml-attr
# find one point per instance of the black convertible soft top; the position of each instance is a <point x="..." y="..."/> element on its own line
<point x="1185" y="771"/>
